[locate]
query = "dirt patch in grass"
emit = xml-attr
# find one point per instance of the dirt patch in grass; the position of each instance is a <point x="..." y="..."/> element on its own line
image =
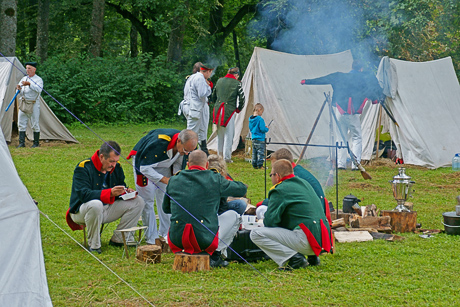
<point x="365" y="186"/>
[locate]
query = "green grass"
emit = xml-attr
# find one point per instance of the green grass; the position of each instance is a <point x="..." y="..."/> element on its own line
<point x="413" y="272"/>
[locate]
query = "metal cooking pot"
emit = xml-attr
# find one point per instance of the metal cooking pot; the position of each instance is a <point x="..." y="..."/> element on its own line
<point x="348" y="202"/>
<point x="451" y="223"/>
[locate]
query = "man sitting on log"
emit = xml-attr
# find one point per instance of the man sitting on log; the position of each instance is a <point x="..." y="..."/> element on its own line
<point x="195" y="226"/>
<point x="295" y="223"/>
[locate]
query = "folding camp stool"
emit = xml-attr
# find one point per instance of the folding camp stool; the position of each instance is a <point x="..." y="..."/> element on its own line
<point x="136" y="242"/>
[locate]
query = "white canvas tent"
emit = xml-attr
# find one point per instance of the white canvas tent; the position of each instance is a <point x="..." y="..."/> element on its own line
<point x="273" y="79"/>
<point x="22" y="267"/>
<point x="51" y="127"/>
<point x="424" y="98"/>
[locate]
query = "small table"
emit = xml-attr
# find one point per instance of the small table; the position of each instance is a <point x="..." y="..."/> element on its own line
<point x="132" y="229"/>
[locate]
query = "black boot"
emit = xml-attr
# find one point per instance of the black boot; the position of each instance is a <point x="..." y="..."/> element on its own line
<point x="204" y="147"/>
<point x="216" y="261"/>
<point x="36" y="139"/>
<point x="297" y="261"/>
<point x="22" y="139"/>
<point x="313" y="260"/>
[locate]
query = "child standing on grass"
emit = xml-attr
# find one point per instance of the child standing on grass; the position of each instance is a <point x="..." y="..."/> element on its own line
<point x="258" y="130"/>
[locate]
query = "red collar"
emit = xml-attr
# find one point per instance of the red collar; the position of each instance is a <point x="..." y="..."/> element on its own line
<point x="293" y="164"/>
<point x="200" y="168"/>
<point x="97" y="161"/>
<point x="231" y="76"/>
<point x="173" y="141"/>
<point x="287" y="177"/>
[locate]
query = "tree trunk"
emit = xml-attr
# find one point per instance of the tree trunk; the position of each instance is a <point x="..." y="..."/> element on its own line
<point x="176" y="39"/>
<point x="97" y="26"/>
<point x="32" y="23"/>
<point x="8" y="27"/>
<point x="42" y="29"/>
<point x="133" y="38"/>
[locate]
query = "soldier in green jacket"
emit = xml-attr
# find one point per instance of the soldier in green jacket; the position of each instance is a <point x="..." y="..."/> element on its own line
<point x="197" y="192"/>
<point x="295" y="223"/>
<point x="228" y="98"/>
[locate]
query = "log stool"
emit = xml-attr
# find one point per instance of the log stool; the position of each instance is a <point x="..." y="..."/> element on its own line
<point x="163" y="244"/>
<point x="149" y="253"/>
<point x="191" y="263"/>
<point x="401" y="221"/>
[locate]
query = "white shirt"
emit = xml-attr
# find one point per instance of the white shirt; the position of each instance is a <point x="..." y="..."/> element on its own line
<point x="32" y="91"/>
<point x="196" y="91"/>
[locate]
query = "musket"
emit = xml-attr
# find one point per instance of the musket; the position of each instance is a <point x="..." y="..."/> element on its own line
<point x="382" y="103"/>
<point x="9" y="105"/>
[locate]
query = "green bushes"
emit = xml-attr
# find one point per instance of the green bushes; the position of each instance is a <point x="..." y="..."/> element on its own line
<point x="142" y="89"/>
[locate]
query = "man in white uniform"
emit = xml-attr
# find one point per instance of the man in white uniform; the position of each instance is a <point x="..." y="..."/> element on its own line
<point x="195" y="104"/>
<point x="30" y="86"/>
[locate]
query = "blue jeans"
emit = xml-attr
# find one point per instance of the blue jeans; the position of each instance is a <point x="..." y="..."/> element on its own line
<point x="258" y="153"/>
<point x="237" y="205"/>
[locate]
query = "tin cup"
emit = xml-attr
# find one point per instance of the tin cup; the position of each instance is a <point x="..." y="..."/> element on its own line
<point x="457" y="209"/>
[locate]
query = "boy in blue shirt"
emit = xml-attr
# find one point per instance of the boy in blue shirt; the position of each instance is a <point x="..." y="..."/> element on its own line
<point x="258" y="130"/>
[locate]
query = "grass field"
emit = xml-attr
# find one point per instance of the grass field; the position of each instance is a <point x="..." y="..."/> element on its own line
<point x="412" y="272"/>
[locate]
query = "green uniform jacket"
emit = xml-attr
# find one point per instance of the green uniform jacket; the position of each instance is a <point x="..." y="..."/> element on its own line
<point x="199" y="192"/>
<point x="88" y="180"/>
<point x="224" y="97"/>
<point x="292" y="202"/>
<point x="301" y="172"/>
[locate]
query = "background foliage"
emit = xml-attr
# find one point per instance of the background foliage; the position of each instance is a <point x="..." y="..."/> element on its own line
<point x="141" y="79"/>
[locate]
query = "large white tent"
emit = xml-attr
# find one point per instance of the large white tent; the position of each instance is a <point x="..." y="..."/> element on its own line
<point x="273" y="79"/>
<point x="424" y="98"/>
<point x="22" y="267"/>
<point x="51" y="128"/>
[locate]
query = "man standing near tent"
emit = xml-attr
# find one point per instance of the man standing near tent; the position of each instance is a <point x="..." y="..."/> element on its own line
<point x="351" y="91"/>
<point x="195" y="106"/>
<point x="295" y="223"/>
<point x="97" y="184"/>
<point x="228" y="98"/>
<point x="199" y="192"/>
<point x="30" y="86"/>
<point x="157" y="156"/>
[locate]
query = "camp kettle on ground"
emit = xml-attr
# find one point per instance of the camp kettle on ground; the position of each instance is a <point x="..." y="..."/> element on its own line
<point x="348" y="202"/>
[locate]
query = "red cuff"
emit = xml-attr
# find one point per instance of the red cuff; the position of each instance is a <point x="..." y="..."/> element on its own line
<point x="259" y="203"/>
<point x="105" y="196"/>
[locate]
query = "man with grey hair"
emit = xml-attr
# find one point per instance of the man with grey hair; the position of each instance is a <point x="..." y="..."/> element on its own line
<point x="157" y="156"/>
<point x="97" y="184"/>
<point x="30" y="86"/>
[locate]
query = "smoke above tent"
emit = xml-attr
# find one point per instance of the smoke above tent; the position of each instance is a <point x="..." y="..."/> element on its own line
<point x="323" y="27"/>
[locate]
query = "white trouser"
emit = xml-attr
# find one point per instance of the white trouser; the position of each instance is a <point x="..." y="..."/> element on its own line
<point x="225" y="139"/>
<point x="200" y="124"/>
<point x="152" y="193"/>
<point x="350" y="123"/>
<point x="229" y="222"/>
<point x="34" y="117"/>
<point x="94" y="213"/>
<point x="280" y="244"/>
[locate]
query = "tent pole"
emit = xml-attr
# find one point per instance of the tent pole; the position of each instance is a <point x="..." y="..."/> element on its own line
<point x="378" y="134"/>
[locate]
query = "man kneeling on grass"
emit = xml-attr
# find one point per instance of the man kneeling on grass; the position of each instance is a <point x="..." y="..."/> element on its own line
<point x="295" y="223"/>
<point x="199" y="191"/>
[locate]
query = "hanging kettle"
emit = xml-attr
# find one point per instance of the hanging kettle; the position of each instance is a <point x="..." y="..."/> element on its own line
<point x="348" y="202"/>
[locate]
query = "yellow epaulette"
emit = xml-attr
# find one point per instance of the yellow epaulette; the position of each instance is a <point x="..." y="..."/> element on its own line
<point x="214" y="170"/>
<point x="275" y="186"/>
<point x="82" y="163"/>
<point x="164" y="137"/>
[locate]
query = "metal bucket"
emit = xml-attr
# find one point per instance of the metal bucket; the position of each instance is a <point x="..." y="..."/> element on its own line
<point x="451" y="223"/>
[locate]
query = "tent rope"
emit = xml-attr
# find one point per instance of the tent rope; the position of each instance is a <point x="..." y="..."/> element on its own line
<point x="97" y="135"/>
<point x="97" y="259"/>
